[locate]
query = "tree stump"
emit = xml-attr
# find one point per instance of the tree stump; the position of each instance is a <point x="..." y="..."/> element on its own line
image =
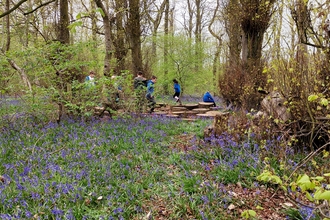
<point x="220" y="125"/>
<point x="214" y="113"/>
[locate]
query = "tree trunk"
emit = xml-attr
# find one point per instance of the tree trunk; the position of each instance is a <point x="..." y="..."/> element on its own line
<point x="278" y="26"/>
<point x="108" y="38"/>
<point x="198" y="35"/>
<point x="300" y="14"/>
<point x="255" y="20"/>
<point x="234" y="32"/>
<point x="119" y="42"/>
<point x="64" y="38"/>
<point x="166" y="44"/>
<point x="94" y="24"/>
<point x="155" y="23"/>
<point x="135" y="34"/>
<point x="64" y="34"/>
<point x="189" y="27"/>
<point x="218" y="38"/>
<point x="7" y="28"/>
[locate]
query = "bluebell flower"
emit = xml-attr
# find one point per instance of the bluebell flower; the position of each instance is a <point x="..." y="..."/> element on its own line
<point x="6" y="217"/>
<point x="35" y="195"/>
<point x="205" y="199"/>
<point x="55" y="211"/>
<point x="118" y="210"/>
<point x="28" y="214"/>
<point x="307" y="212"/>
<point x="20" y="186"/>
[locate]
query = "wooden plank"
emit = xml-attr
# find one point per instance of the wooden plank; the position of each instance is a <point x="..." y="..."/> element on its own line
<point x="201" y="110"/>
<point x="205" y="115"/>
<point x="191" y="106"/>
<point x="172" y="116"/>
<point x="205" y="104"/>
<point x="178" y="108"/>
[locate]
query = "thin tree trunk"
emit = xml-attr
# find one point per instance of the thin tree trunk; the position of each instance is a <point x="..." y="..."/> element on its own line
<point x="301" y="56"/>
<point x="64" y="38"/>
<point x="155" y="22"/>
<point x="218" y="48"/>
<point x="198" y="34"/>
<point x="7" y="28"/>
<point x="166" y="44"/>
<point x="190" y="17"/>
<point x="94" y="20"/>
<point x="279" y="24"/>
<point x="108" y="37"/>
<point x="64" y="34"/>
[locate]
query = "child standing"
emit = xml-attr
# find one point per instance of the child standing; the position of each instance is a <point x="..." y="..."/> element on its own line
<point x="177" y="91"/>
<point x="90" y="79"/>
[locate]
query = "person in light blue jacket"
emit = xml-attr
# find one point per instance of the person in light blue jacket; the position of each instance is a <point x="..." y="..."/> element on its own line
<point x="150" y="93"/>
<point x="208" y="98"/>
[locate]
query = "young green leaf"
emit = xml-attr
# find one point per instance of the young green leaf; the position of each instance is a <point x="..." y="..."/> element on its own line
<point x="312" y="98"/>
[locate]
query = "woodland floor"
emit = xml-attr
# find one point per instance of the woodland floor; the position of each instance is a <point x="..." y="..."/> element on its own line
<point x="268" y="202"/>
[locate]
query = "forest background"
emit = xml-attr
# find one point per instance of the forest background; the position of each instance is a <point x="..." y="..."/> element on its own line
<point x="236" y="49"/>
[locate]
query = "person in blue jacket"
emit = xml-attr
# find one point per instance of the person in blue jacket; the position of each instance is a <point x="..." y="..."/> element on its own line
<point x="208" y="98"/>
<point x="150" y="93"/>
<point x="90" y="79"/>
<point x="177" y="91"/>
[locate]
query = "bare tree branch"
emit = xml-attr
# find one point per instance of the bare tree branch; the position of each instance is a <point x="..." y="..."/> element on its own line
<point x="42" y="5"/>
<point x="12" y="9"/>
